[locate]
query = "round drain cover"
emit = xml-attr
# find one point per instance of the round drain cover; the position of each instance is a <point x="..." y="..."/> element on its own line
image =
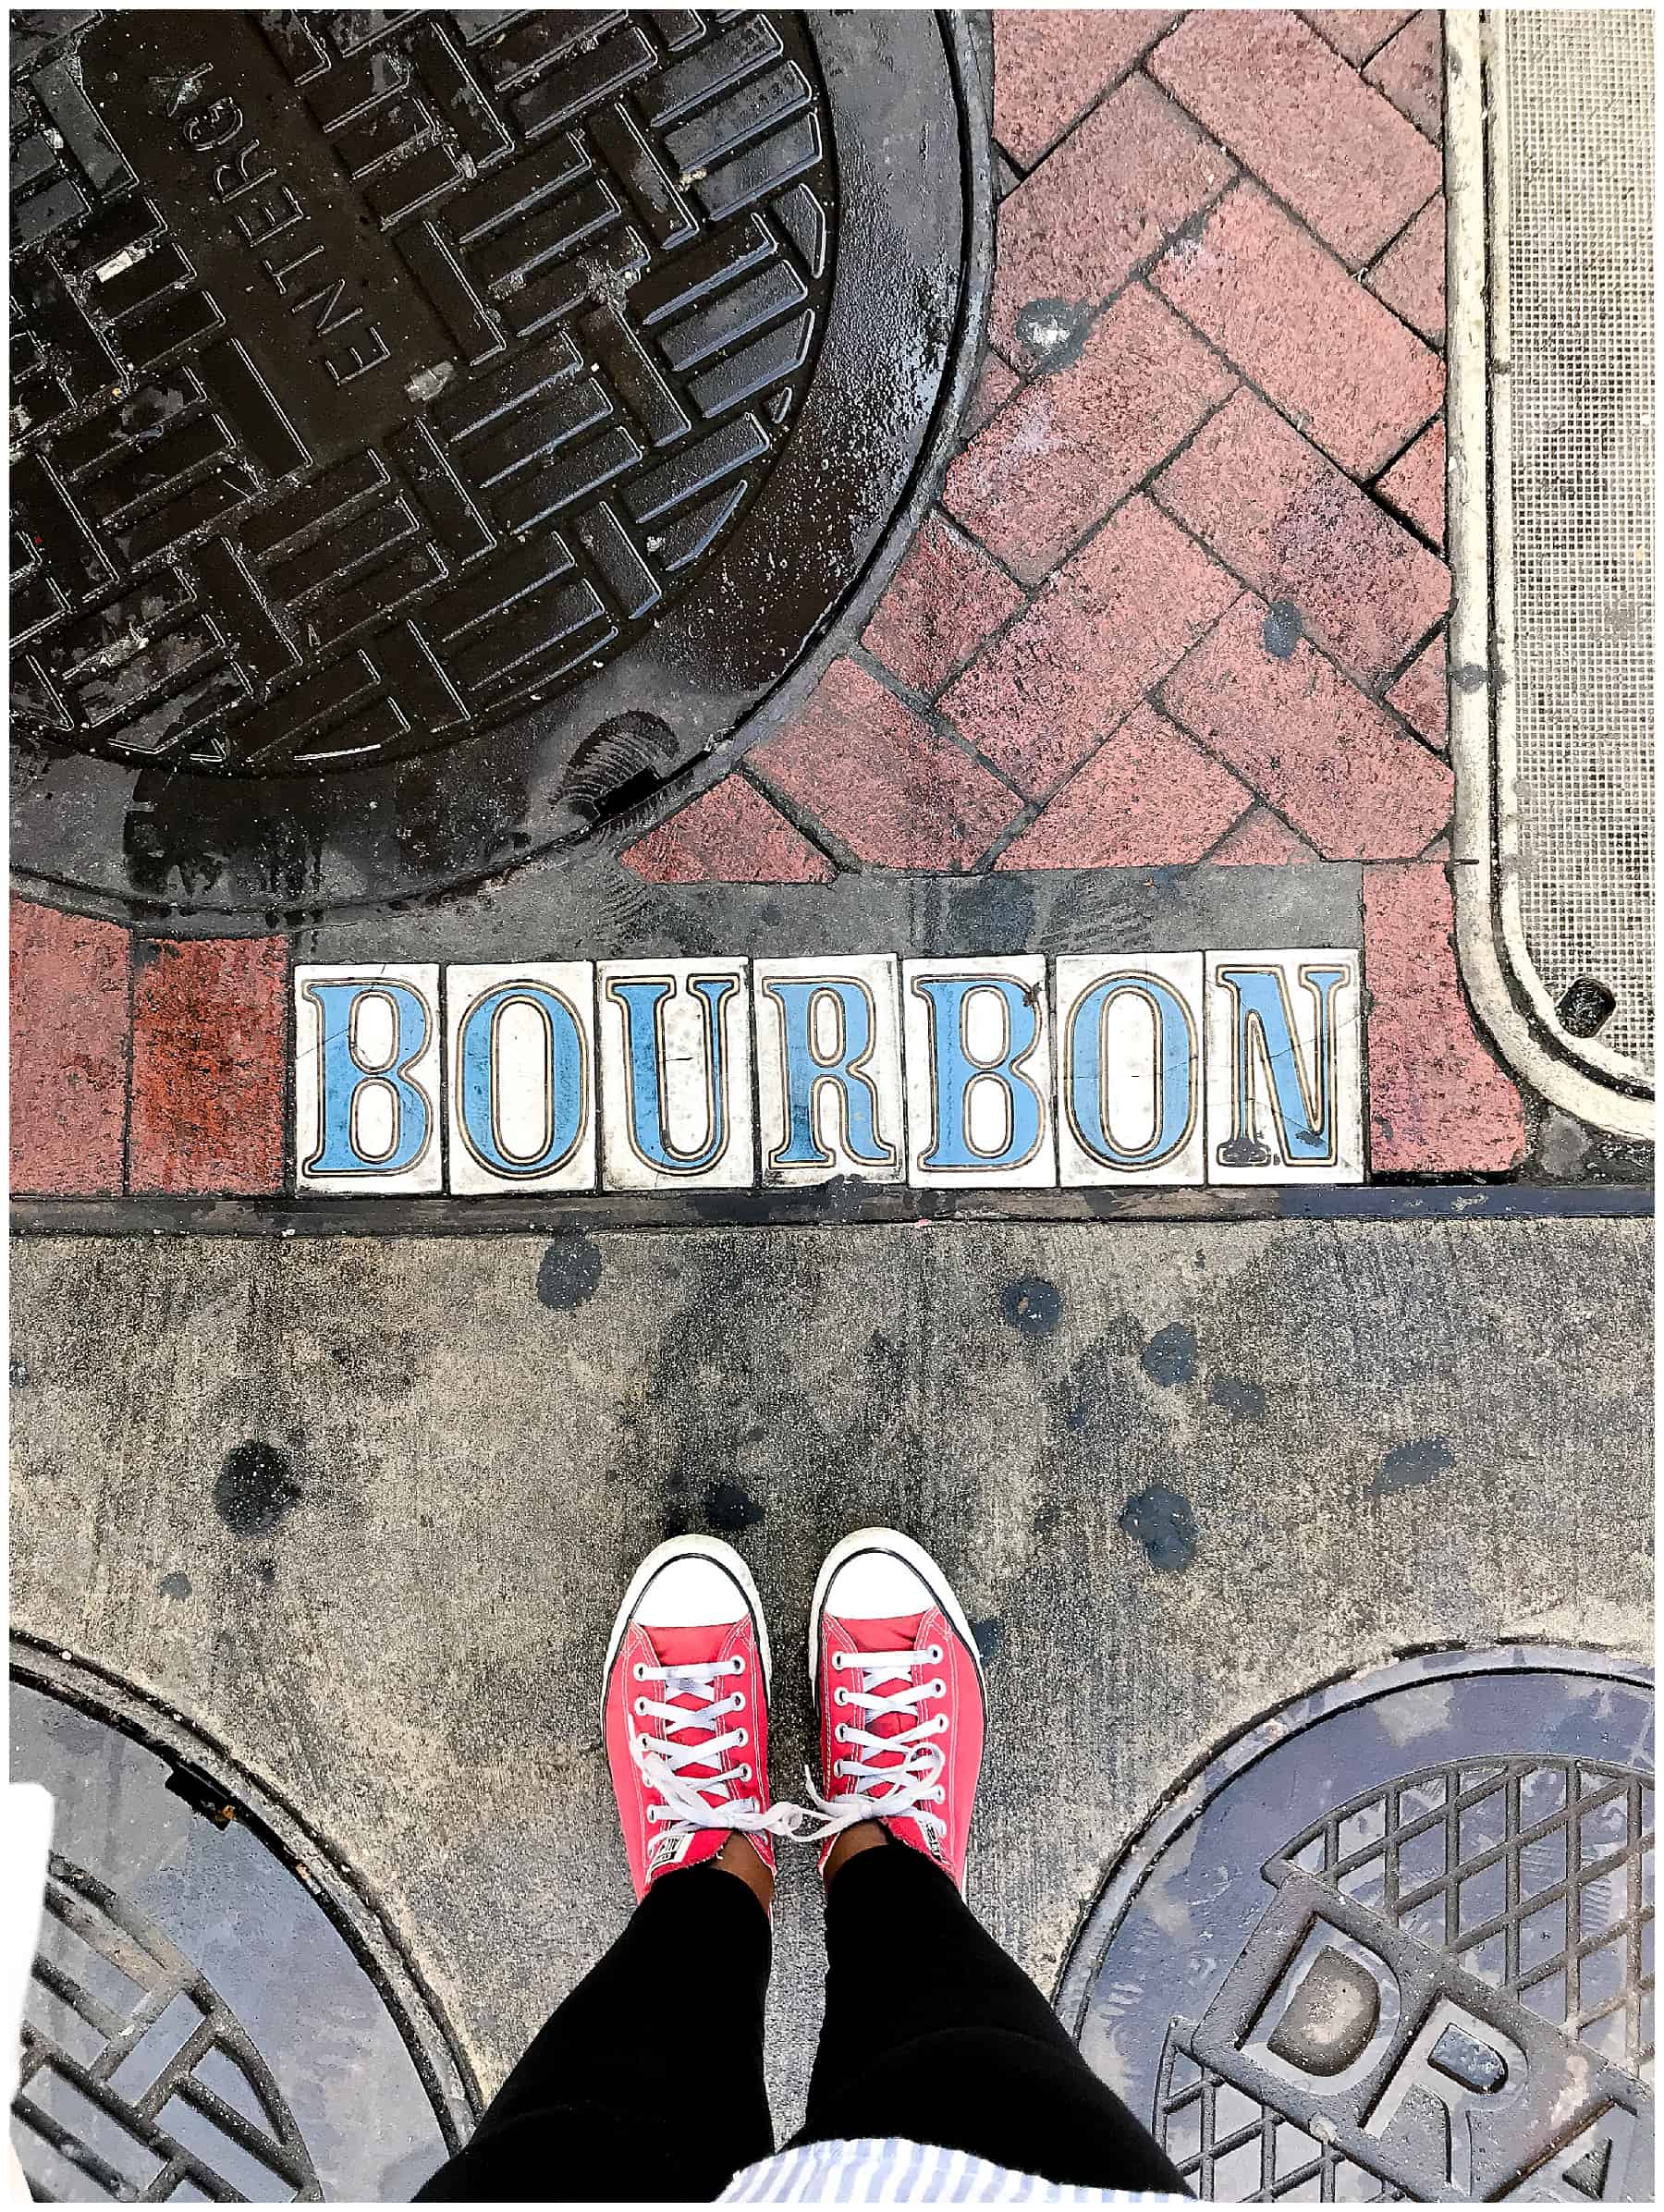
<point x="433" y="432"/>
<point x="196" y="2026"/>
<point x="1410" y="1922"/>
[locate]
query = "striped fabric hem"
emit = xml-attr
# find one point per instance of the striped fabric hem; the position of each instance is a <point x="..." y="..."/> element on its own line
<point x="889" y="2171"/>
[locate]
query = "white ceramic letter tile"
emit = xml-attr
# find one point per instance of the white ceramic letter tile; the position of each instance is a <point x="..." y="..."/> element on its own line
<point x="1285" y="1059"/>
<point x="367" y="1081"/>
<point x="1130" y="1068"/>
<point x="520" y="1055"/>
<point x="670" y="1130"/>
<point x="979" y="1077"/>
<point x="829" y="1068"/>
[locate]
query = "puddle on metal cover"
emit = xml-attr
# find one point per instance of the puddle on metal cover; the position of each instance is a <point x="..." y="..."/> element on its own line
<point x="1409" y="1922"/>
<point x="193" y="2012"/>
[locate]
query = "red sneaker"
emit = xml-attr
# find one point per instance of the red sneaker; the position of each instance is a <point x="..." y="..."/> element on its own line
<point x="685" y="1710"/>
<point x="899" y="1682"/>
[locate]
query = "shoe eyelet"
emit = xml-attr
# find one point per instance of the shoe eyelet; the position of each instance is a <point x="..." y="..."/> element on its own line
<point x="736" y="1664"/>
<point x="741" y="1737"/>
<point x="640" y="1671"/>
<point x="933" y="1657"/>
<point x="938" y="1688"/>
<point x="641" y="1707"/>
<point x="838" y="1660"/>
<point x="737" y="1701"/>
<point x="840" y="1734"/>
<point x="742" y="1774"/>
<point x="840" y="1696"/>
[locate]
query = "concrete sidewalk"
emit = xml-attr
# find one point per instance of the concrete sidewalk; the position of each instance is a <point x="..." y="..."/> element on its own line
<point x="360" y="1510"/>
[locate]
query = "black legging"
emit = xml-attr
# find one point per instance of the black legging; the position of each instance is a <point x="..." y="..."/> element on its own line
<point x="931" y="2033"/>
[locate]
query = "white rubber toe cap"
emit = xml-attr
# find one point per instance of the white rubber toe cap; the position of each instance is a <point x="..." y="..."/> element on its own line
<point x="689" y="1593"/>
<point x="878" y="1585"/>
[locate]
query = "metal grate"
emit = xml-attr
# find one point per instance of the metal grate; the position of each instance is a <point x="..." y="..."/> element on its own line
<point x="1576" y="260"/>
<point x="136" y="2080"/>
<point x="1533" y="1874"/>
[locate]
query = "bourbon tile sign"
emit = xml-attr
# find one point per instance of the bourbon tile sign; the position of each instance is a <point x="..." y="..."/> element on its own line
<point x="652" y="1075"/>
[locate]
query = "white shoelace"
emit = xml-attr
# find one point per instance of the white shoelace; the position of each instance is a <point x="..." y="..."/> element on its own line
<point x="908" y="1787"/>
<point x="684" y="1804"/>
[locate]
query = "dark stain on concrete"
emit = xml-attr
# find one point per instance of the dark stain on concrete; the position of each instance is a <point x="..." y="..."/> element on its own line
<point x="255" y="1488"/>
<point x="1243" y="1401"/>
<point x="990" y="1637"/>
<point x="266" y="1570"/>
<point x="1162" y="1521"/>
<point x="1407" y="1466"/>
<point x="1171" y="1355"/>
<point x="728" y="1509"/>
<point x="1032" y="1305"/>
<point x="1282" y="629"/>
<point x="17" y="1371"/>
<point x="175" y="1585"/>
<point x="1049" y="1519"/>
<point x="570" y="1274"/>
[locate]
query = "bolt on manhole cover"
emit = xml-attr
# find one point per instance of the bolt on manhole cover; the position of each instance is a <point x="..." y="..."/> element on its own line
<point x="432" y="433"/>
<point x="1409" y="1922"/>
<point x="196" y="2023"/>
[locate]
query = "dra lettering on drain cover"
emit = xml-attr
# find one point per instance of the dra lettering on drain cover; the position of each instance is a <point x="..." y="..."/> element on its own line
<point x="1014" y="1071"/>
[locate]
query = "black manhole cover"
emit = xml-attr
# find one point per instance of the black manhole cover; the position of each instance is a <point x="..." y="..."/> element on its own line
<point x="1397" y="1943"/>
<point x="432" y="433"/>
<point x="197" y="2025"/>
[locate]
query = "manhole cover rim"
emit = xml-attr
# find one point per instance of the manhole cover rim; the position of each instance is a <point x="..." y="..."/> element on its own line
<point x="448" y="2079"/>
<point x="69" y="809"/>
<point x="1190" y="1796"/>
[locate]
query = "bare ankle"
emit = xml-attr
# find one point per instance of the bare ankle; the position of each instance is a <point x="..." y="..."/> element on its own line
<point x="741" y="1857"/>
<point x="866" y="1834"/>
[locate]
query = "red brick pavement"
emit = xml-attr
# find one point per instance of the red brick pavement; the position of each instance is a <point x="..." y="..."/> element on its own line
<point x="1183" y="602"/>
<point x="1185" y="599"/>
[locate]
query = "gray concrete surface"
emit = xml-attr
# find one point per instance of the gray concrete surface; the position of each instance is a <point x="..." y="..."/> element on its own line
<point x="1360" y="1438"/>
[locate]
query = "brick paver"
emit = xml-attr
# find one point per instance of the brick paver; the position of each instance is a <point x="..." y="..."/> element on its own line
<point x="1099" y="207"/>
<point x="1262" y="839"/>
<point x="1292" y="727"/>
<point x="1149" y="797"/>
<point x="1414" y="484"/>
<point x="1345" y="370"/>
<point x="1410" y="71"/>
<point x="994" y="387"/>
<point x="1421" y="694"/>
<point x="1438" y="1101"/>
<point x="730" y="834"/>
<point x="1295" y="528"/>
<point x="1102" y="633"/>
<point x="885" y="784"/>
<point x="1051" y="63"/>
<point x="1285" y="104"/>
<point x="944" y="599"/>
<point x="1410" y="276"/>
<point x="69" y="1032"/>
<point x="209" y="1067"/>
<point x="1059" y="456"/>
<point x="1357" y="32"/>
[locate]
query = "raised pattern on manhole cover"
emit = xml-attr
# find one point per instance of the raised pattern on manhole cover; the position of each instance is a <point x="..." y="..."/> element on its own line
<point x="462" y="358"/>
<point x="386" y="385"/>
<point x="194" y="1998"/>
<point x="1412" y="1919"/>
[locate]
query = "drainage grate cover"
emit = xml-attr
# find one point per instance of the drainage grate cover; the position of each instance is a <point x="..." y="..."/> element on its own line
<point x="1552" y="320"/>
<point x="196" y="2025"/>
<point x="432" y="433"/>
<point x="1411" y="1918"/>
